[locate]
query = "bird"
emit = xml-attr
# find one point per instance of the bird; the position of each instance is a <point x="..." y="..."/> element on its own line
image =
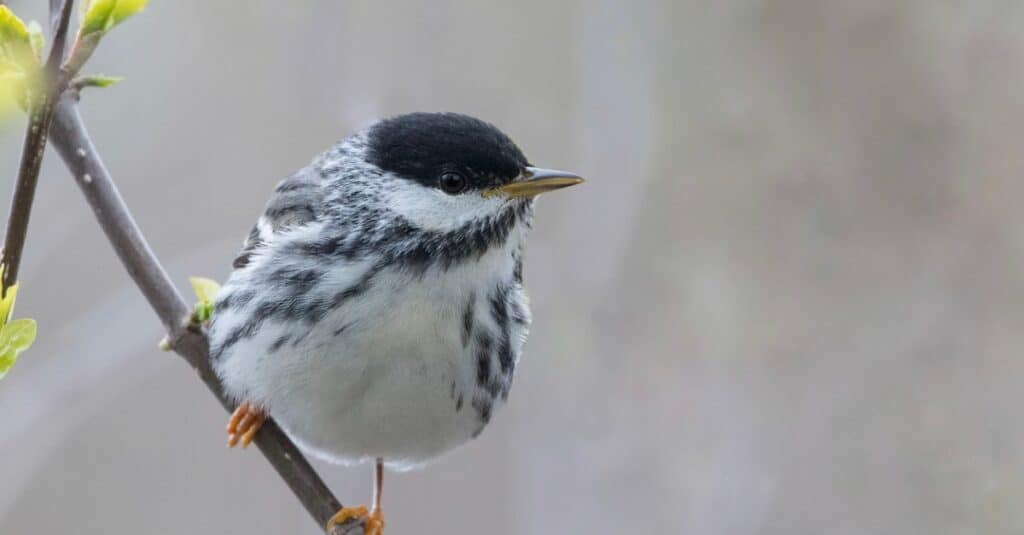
<point x="376" y="310"/>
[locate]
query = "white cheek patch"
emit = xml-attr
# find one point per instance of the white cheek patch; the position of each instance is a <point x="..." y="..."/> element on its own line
<point x="433" y="209"/>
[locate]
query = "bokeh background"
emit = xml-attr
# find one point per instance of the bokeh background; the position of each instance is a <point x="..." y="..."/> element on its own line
<point x="788" y="300"/>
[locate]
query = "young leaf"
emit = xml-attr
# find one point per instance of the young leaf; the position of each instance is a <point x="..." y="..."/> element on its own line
<point x="97" y="14"/>
<point x="18" y="63"/>
<point x="206" y="289"/>
<point x="12" y="28"/>
<point x="13" y="84"/>
<point x="94" y="80"/>
<point x="100" y="80"/>
<point x="6" y="361"/>
<point x="102" y="15"/>
<point x="7" y="304"/>
<point x="18" y="334"/>
<point x="15" y="337"/>
<point x="15" y="44"/>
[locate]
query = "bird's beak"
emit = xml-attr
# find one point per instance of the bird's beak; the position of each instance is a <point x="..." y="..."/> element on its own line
<point x="535" y="181"/>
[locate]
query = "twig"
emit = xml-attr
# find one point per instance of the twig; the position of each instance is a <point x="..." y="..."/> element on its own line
<point x="40" y="113"/>
<point x="72" y="141"/>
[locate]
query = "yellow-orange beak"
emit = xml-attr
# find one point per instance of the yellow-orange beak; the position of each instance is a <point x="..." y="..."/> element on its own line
<point x="535" y="181"/>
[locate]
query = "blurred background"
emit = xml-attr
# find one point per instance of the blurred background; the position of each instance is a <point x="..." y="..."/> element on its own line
<point x="787" y="301"/>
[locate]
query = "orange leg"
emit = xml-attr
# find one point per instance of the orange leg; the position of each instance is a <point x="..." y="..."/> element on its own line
<point x="244" y="423"/>
<point x="374" y="520"/>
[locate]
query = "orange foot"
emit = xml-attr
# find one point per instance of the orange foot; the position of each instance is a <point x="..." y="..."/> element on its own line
<point x="373" y="525"/>
<point x="244" y="423"/>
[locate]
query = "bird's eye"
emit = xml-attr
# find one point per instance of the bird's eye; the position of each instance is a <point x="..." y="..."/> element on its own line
<point x="452" y="182"/>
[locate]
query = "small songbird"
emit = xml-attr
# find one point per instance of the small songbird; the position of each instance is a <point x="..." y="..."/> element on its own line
<point x="377" y="309"/>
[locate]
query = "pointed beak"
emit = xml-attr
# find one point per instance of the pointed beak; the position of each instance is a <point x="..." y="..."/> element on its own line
<point x="535" y="181"/>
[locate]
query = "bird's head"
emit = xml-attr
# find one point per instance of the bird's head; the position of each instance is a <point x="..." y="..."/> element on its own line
<point x="444" y="171"/>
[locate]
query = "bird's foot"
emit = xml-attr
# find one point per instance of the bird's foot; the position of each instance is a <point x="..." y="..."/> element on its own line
<point x="244" y="423"/>
<point x="373" y="525"/>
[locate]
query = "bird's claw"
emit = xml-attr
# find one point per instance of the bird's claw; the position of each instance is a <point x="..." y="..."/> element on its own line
<point x="372" y="525"/>
<point x="244" y="423"/>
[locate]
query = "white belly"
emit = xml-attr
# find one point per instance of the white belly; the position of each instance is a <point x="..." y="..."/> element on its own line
<point x="393" y="391"/>
<point x="391" y="376"/>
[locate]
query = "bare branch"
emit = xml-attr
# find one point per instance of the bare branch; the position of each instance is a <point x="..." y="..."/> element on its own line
<point x="72" y="141"/>
<point x="59" y="22"/>
<point x="40" y="113"/>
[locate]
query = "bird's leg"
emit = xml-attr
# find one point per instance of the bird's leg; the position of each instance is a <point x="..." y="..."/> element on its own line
<point x="374" y="523"/>
<point x="244" y="423"/>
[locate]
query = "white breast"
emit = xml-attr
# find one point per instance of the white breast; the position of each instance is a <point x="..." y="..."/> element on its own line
<point x="389" y="374"/>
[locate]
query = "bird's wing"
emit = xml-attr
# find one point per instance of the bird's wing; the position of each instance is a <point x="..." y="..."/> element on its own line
<point x="295" y="202"/>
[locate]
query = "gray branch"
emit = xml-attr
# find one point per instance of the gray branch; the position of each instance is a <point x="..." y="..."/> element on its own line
<point x="40" y="114"/>
<point x="69" y="136"/>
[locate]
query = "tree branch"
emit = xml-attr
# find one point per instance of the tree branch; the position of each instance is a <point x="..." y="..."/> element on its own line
<point x="54" y="107"/>
<point x="40" y="112"/>
<point x="72" y="141"/>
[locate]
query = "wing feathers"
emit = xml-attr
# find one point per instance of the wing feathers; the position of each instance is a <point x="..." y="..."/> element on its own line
<point x="296" y="201"/>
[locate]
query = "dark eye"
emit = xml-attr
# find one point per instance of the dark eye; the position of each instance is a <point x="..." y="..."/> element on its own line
<point x="452" y="182"/>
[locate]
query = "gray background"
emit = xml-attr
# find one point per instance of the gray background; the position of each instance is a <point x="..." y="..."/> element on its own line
<point x="787" y="301"/>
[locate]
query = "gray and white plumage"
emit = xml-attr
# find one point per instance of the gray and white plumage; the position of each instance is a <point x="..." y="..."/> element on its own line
<point x="372" y="314"/>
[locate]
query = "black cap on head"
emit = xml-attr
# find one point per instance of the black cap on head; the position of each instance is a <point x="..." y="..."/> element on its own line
<point x="423" y="146"/>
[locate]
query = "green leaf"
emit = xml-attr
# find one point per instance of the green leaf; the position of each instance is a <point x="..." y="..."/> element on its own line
<point x="102" y="15"/>
<point x="18" y="63"/>
<point x="12" y="28"/>
<point x="15" y="337"/>
<point x="36" y="40"/>
<point x="18" y="334"/>
<point x="11" y="95"/>
<point x="203" y="312"/>
<point x="6" y="362"/>
<point x="206" y="289"/>
<point x="15" y="44"/>
<point x="7" y="304"/>
<point x="99" y="80"/>
<point x="102" y="80"/>
<point x="15" y="86"/>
